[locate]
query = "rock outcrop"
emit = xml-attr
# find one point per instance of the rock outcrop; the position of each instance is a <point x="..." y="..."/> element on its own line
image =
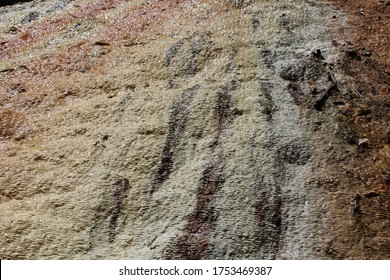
<point x="207" y="129"/>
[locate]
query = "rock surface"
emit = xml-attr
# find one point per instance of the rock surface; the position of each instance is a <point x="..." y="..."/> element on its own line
<point x="194" y="130"/>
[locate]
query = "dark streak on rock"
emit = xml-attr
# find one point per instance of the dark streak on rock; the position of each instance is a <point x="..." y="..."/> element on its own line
<point x="173" y="50"/>
<point x="319" y="105"/>
<point x="269" y="58"/>
<point x="268" y="212"/>
<point x="189" y="55"/>
<point x="267" y="105"/>
<point x="176" y="127"/>
<point x="195" y="243"/>
<point x="109" y="208"/>
<point x="356" y="210"/>
<point x="256" y="20"/>
<point x="224" y="111"/>
<point x="269" y="197"/>
<point x="120" y="189"/>
<point x="285" y="22"/>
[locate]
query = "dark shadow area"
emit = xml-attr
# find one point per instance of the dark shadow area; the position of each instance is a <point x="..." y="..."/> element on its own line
<point x="11" y="2"/>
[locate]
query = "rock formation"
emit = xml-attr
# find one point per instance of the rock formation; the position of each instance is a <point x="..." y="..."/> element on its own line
<point x="178" y="129"/>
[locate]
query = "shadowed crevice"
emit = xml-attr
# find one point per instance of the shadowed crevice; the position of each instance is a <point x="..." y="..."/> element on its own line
<point x="319" y="104"/>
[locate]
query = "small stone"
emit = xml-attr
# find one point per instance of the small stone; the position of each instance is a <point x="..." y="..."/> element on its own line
<point x="362" y="141"/>
<point x="362" y="145"/>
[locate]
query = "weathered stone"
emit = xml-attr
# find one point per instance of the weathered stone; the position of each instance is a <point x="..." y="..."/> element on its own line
<point x="190" y="130"/>
<point x="292" y="70"/>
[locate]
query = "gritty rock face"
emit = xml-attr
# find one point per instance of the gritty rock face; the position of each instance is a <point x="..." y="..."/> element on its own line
<point x="193" y="130"/>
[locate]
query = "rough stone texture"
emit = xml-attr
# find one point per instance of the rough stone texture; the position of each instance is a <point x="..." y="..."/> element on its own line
<point x="194" y="130"/>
